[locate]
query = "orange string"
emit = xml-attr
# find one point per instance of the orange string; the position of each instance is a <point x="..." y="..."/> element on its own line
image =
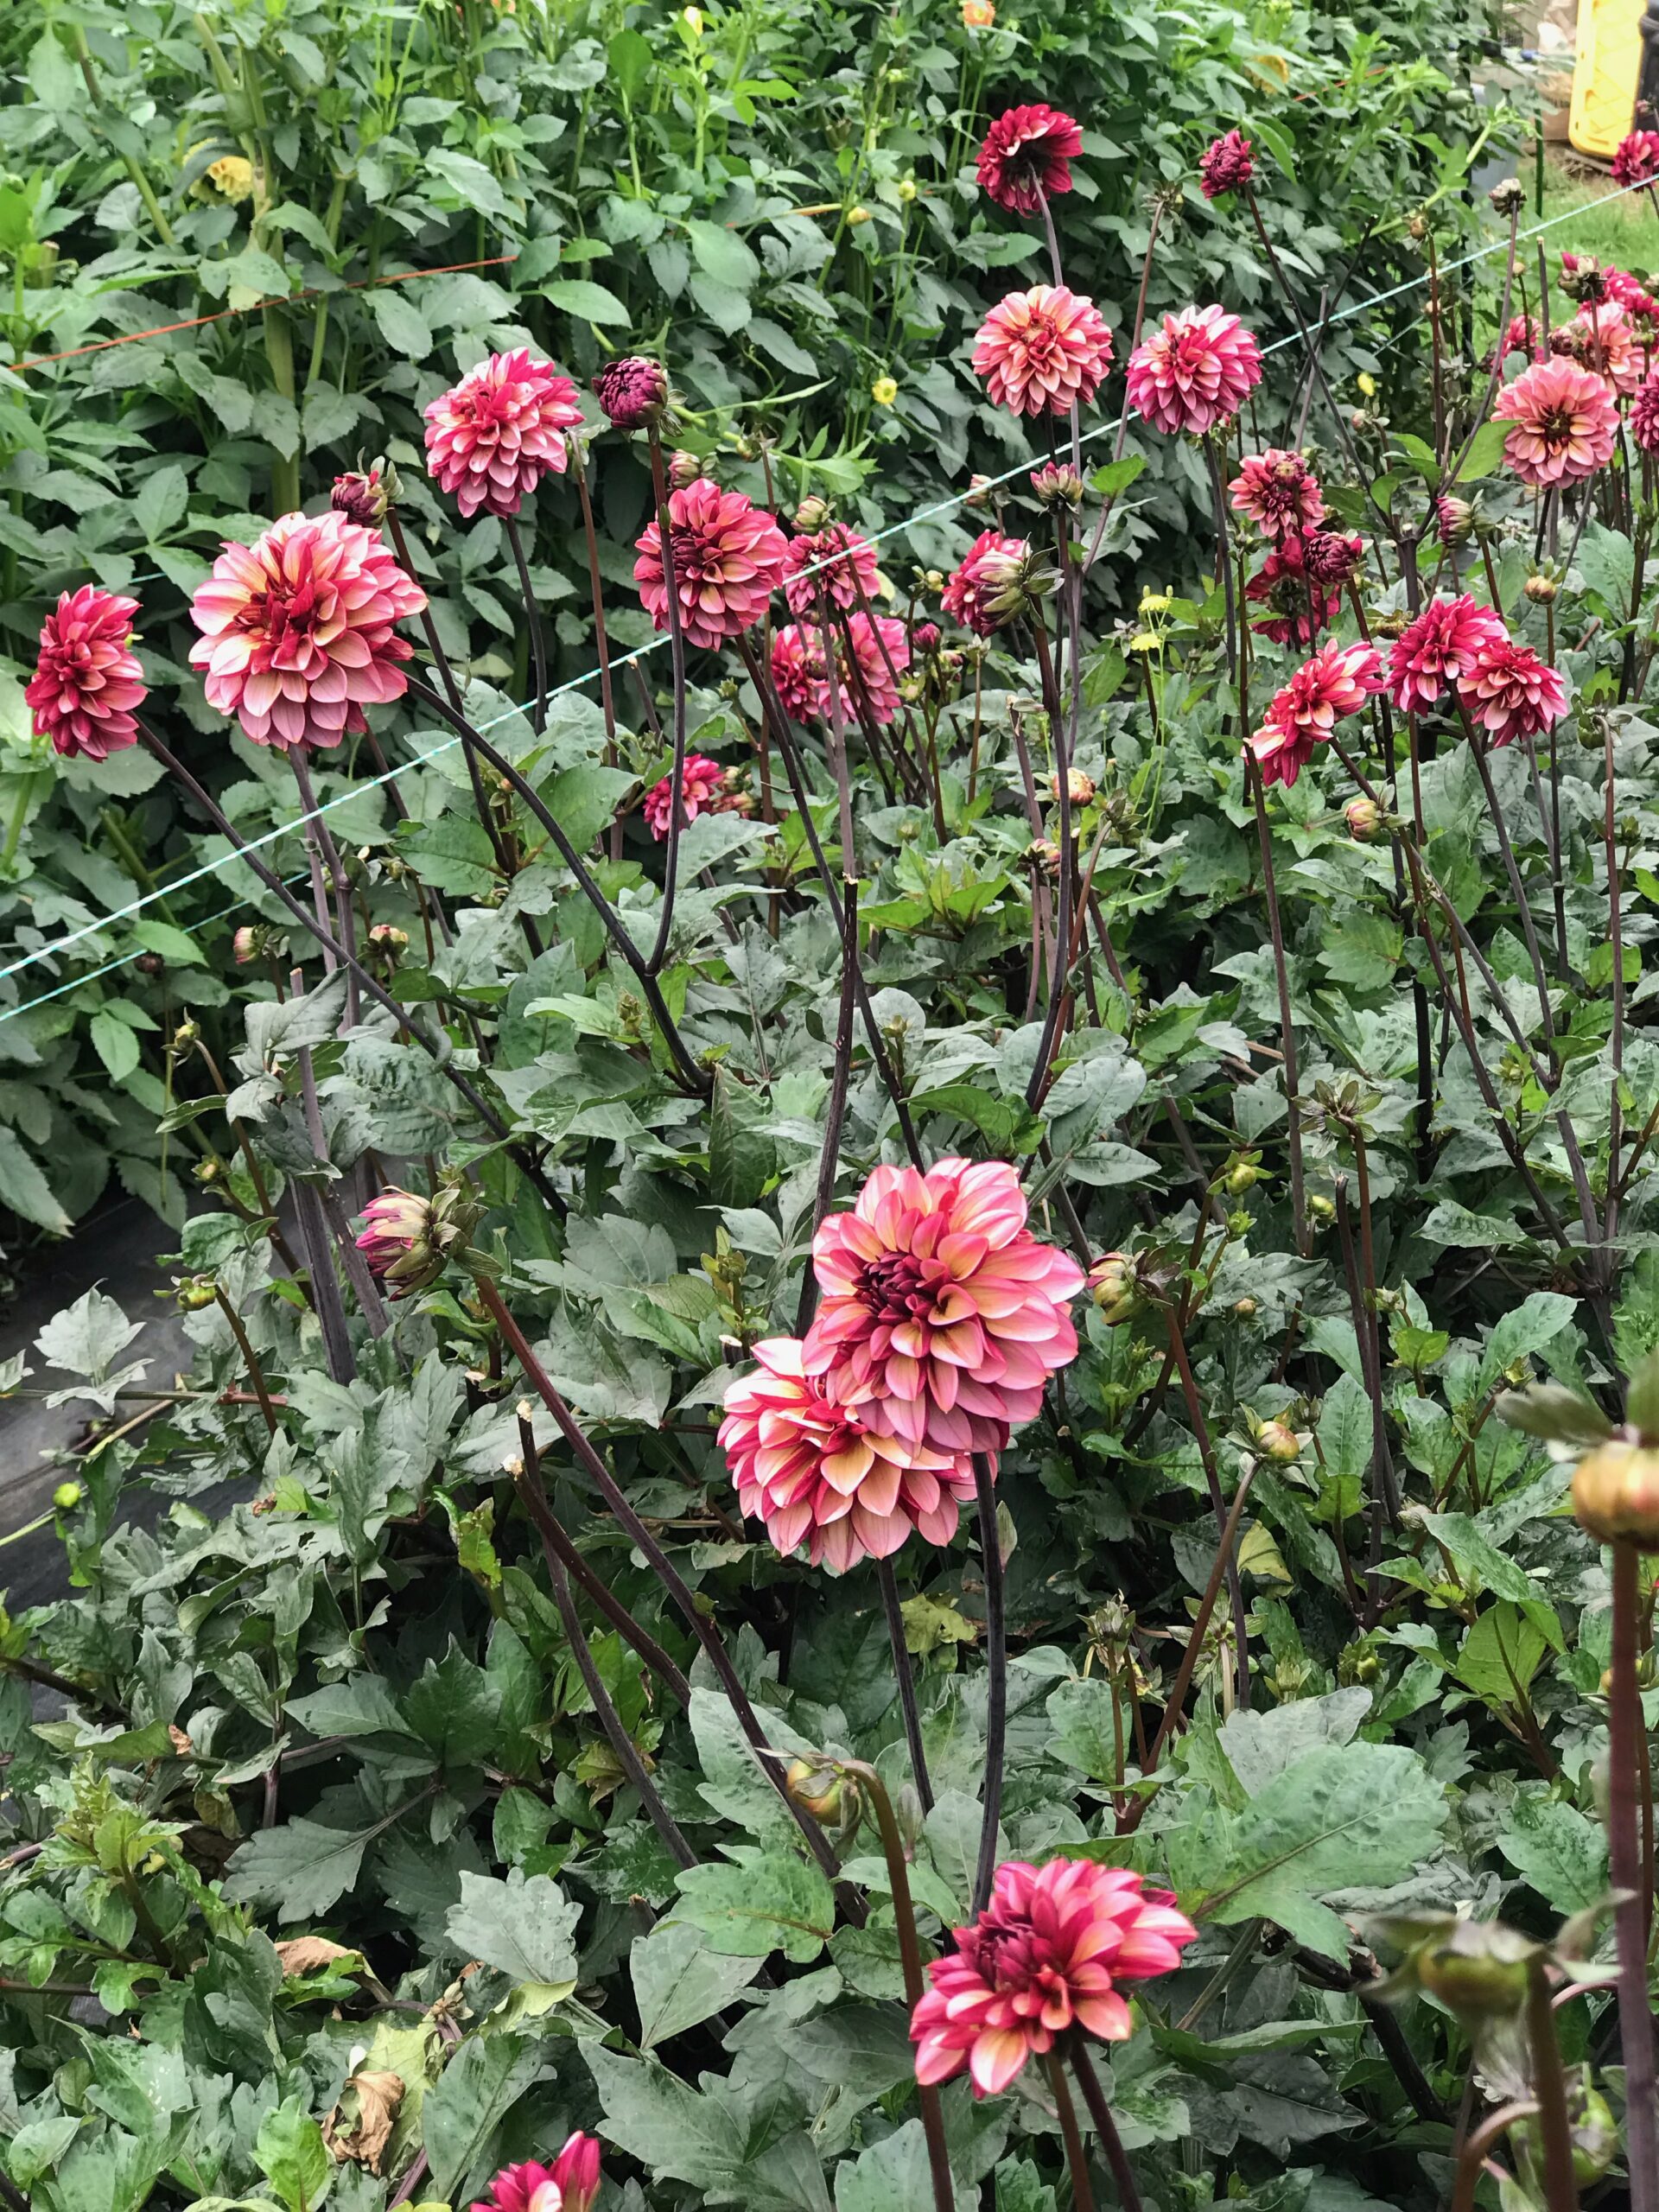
<point x="197" y="323"/>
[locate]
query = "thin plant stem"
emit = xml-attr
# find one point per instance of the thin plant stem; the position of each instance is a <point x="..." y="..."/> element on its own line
<point x="1105" y="2126"/>
<point x="1200" y="1623"/>
<point x="250" y="1358"/>
<point x="602" y="636"/>
<point x="996" y="1681"/>
<point x="533" y="616"/>
<point x="1287" y="1026"/>
<point x="1224" y="557"/>
<point x="836" y="1114"/>
<point x="1625" y="1729"/>
<point x="1471" y="2158"/>
<point x="907" y="1680"/>
<point x="1373" y="1391"/>
<point x="1077" y="2159"/>
<point x="676" y="656"/>
<point x="1524" y="907"/>
<point x="319" y="838"/>
<point x="1616" y="939"/>
<point x="1549" y="2087"/>
<point x="1213" y="1478"/>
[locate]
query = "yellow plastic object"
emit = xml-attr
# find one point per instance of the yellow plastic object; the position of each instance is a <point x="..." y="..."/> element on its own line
<point x="1605" y="74"/>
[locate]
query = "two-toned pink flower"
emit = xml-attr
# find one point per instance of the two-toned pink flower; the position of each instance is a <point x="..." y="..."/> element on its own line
<point x="1026" y="157"/>
<point x="569" y="2184"/>
<point x="1562" y="422"/>
<point x="728" y="556"/>
<point x="87" y="681"/>
<point x="491" y="438"/>
<point x="1196" y="369"/>
<point x="1043" y="352"/>
<point x="1335" y="681"/>
<point x="1436" y="648"/>
<point x="1278" y="492"/>
<point x="870" y="655"/>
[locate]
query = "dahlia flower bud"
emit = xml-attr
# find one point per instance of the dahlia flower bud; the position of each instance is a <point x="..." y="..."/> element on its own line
<point x="811" y="515"/>
<point x="1045" y="854"/>
<point x="925" y="639"/>
<point x="832" y="1800"/>
<point x="1114" y="1284"/>
<point x="1508" y="197"/>
<point x="632" y="392"/>
<point x="1542" y="590"/>
<point x="1227" y="164"/>
<point x="1245" y="1309"/>
<point x="1363" y="817"/>
<point x="1056" y="481"/>
<point x="67" y="1496"/>
<point x="1478" y="1969"/>
<point x="1273" y="1439"/>
<point x="683" y="470"/>
<point x="1616" y="1492"/>
<point x="978" y="495"/>
<point x="150" y="964"/>
<point x="1457" y="521"/>
<point x="197" y="1291"/>
<point x="187" y="1034"/>
<point x="1321" y="1209"/>
<point x="1079" y="788"/>
<point x="387" y="939"/>
<point x="363" y="495"/>
<point x="406" y="1239"/>
<point x="1243" y="1174"/>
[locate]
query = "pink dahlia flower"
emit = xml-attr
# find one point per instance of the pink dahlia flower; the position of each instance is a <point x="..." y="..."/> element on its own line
<point x="1603" y="340"/>
<point x="1521" y="337"/>
<point x="833" y="560"/>
<point x="396" y="1239"/>
<point x="1047" y="1957"/>
<point x="982" y="579"/>
<point x="1510" y="692"/>
<point x="1227" y="164"/>
<point x="1644" y="415"/>
<point x="1043" y="352"/>
<point x="1442" y="644"/>
<point x="1564" y="421"/>
<point x="1027" y="155"/>
<point x="569" y="2184"/>
<point x="1278" y="492"/>
<point x="837" y="1477"/>
<point x="1332" y="557"/>
<point x="868" y="678"/>
<point x="1195" y="371"/>
<point x="798" y="672"/>
<point x="298" y="632"/>
<point x="1636" y="158"/>
<point x="492" y="438"/>
<point x="1617" y="284"/>
<point x="87" y="679"/>
<point x="1337" y="681"/>
<point x="700" y="788"/>
<point x="631" y="391"/>
<point x="728" y="559"/>
<point x="1301" y="606"/>
<point x="939" y="1305"/>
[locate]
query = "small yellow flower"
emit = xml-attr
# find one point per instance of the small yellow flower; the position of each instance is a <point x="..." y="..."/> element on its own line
<point x="1367" y="385"/>
<point x="1155" y="602"/>
<point x="978" y="14"/>
<point x="884" y="391"/>
<point x="692" y="18"/>
<point x="1146" y="641"/>
<point x="231" y="177"/>
<point x="858" y="214"/>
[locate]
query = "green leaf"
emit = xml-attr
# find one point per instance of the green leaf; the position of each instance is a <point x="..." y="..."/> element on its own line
<point x="402" y="324"/>
<point x="1480" y="1565"/>
<point x="478" y="2088"/>
<point x="291" y="2154"/>
<point x="1557" y="1849"/>
<point x="297" y="1870"/>
<point x="1534" y="1323"/>
<point x="627" y="62"/>
<point x="588" y="301"/>
<point x="160" y="501"/>
<point x="26" y="1191"/>
<point x="1502" y="1653"/>
<point x="467" y="181"/>
<point x="583" y="800"/>
<point x="1485" y="453"/>
<point x="522" y="1926"/>
<point x="175" y="946"/>
<point x="768" y="1902"/>
<point x="724" y="255"/>
<point x="115" y="1044"/>
<point x="679" y="1981"/>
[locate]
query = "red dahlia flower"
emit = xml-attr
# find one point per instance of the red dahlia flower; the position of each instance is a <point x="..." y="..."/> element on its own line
<point x="1510" y="692"/>
<point x="940" y="1306"/>
<point x="1278" y="492"/>
<point x="1332" y="557"/>
<point x="974" y="594"/>
<point x="1043" y="352"/>
<point x="569" y="2184"/>
<point x="1301" y="605"/>
<point x="1636" y="158"/>
<point x="492" y="438"/>
<point x="87" y="679"/>
<point x="1438" y="646"/>
<point x="1227" y="164"/>
<point x="1195" y="371"/>
<point x="700" y="789"/>
<point x="298" y="632"/>
<point x="1337" y="681"/>
<point x="833" y="560"/>
<point x="1047" y="1957"/>
<point x="1564" y="421"/>
<point x="1027" y="156"/>
<point x="728" y="559"/>
<point x="835" y="1476"/>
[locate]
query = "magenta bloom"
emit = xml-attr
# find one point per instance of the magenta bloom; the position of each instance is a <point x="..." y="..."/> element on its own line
<point x="1195" y="371"/>
<point x="798" y="672"/>
<point x="700" y="787"/>
<point x="1510" y="692"/>
<point x="1043" y="352"/>
<point x="867" y="679"/>
<point x="1027" y="155"/>
<point x="569" y="2184"/>
<point x="1438" y="646"/>
<point x="1521" y="337"/>
<point x="1332" y="557"/>
<point x="835" y="1478"/>
<point x="1227" y="164"/>
<point x="298" y="631"/>
<point x="361" y="496"/>
<point x="87" y="679"/>
<point x="833" y="560"/>
<point x="1047" y="1957"/>
<point x="492" y="438"/>
<point x="631" y="391"/>
<point x="728" y="560"/>
<point x="396" y="1225"/>
<point x="1618" y="284"/>
<point x="1644" y="416"/>
<point x="1564" y="421"/>
<point x="940" y="1306"/>
<point x="1337" y="681"/>
<point x="1278" y="492"/>
<point x="1636" y="158"/>
<point x="1301" y="606"/>
<point x="983" y="577"/>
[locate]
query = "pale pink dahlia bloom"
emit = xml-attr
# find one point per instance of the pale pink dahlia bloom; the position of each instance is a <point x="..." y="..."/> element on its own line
<point x="1437" y="647"/>
<point x="298" y="629"/>
<point x="1027" y="155"/>
<point x="1227" y="164"/>
<point x="569" y="2184"/>
<point x="940" y="1306"/>
<point x="835" y="1476"/>
<point x="1197" y="369"/>
<point x="728" y="559"/>
<point x="1337" y="681"/>
<point x="1564" y="421"/>
<point x="1047" y="1957"/>
<point x="1510" y="692"/>
<point x="835" y="561"/>
<point x="1603" y="340"/>
<point x="87" y="680"/>
<point x="491" y="439"/>
<point x="1278" y="492"/>
<point x="1043" y="352"/>
<point x="1644" y="415"/>
<point x="982" y="580"/>
<point x="700" y="788"/>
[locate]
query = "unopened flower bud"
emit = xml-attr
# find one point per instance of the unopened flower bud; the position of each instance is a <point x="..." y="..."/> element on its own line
<point x="197" y="1291"/>
<point x="150" y="964"/>
<point x="1242" y="1174"/>
<point x="1470" y="1977"/>
<point x="1542" y="590"/>
<point x="1114" y="1288"/>
<point x="1046" y="853"/>
<point x="906" y="189"/>
<point x="389" y="940"/>
<point x="1508" y="197"/>
<point x="1274" y="1441"/>
<point x="1321" y="1208"/>
<point x="187" y="1034"/>
<point x="858" y="214"/>
<point x="1457" y="520"/>
<point x="1079" y="788"/>
<point x="1616" y="1492"/>
<point x="406" y="1239"/>
<point x="812" y="514"/>
<point x="978" y="495"/>
<point x="1058" y="483"/>
<point x="1245" y="1309"/>
<point x="683" y="470"/>
<point x="1363" y="817"/>
<point x="67" y="1496"/>
<point x="631" y="391"/>
<point x="925" y="639"/>
<point x="825" y="1795"/>
<point x="244" y="945"/>
<point x="363" y="495"/>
